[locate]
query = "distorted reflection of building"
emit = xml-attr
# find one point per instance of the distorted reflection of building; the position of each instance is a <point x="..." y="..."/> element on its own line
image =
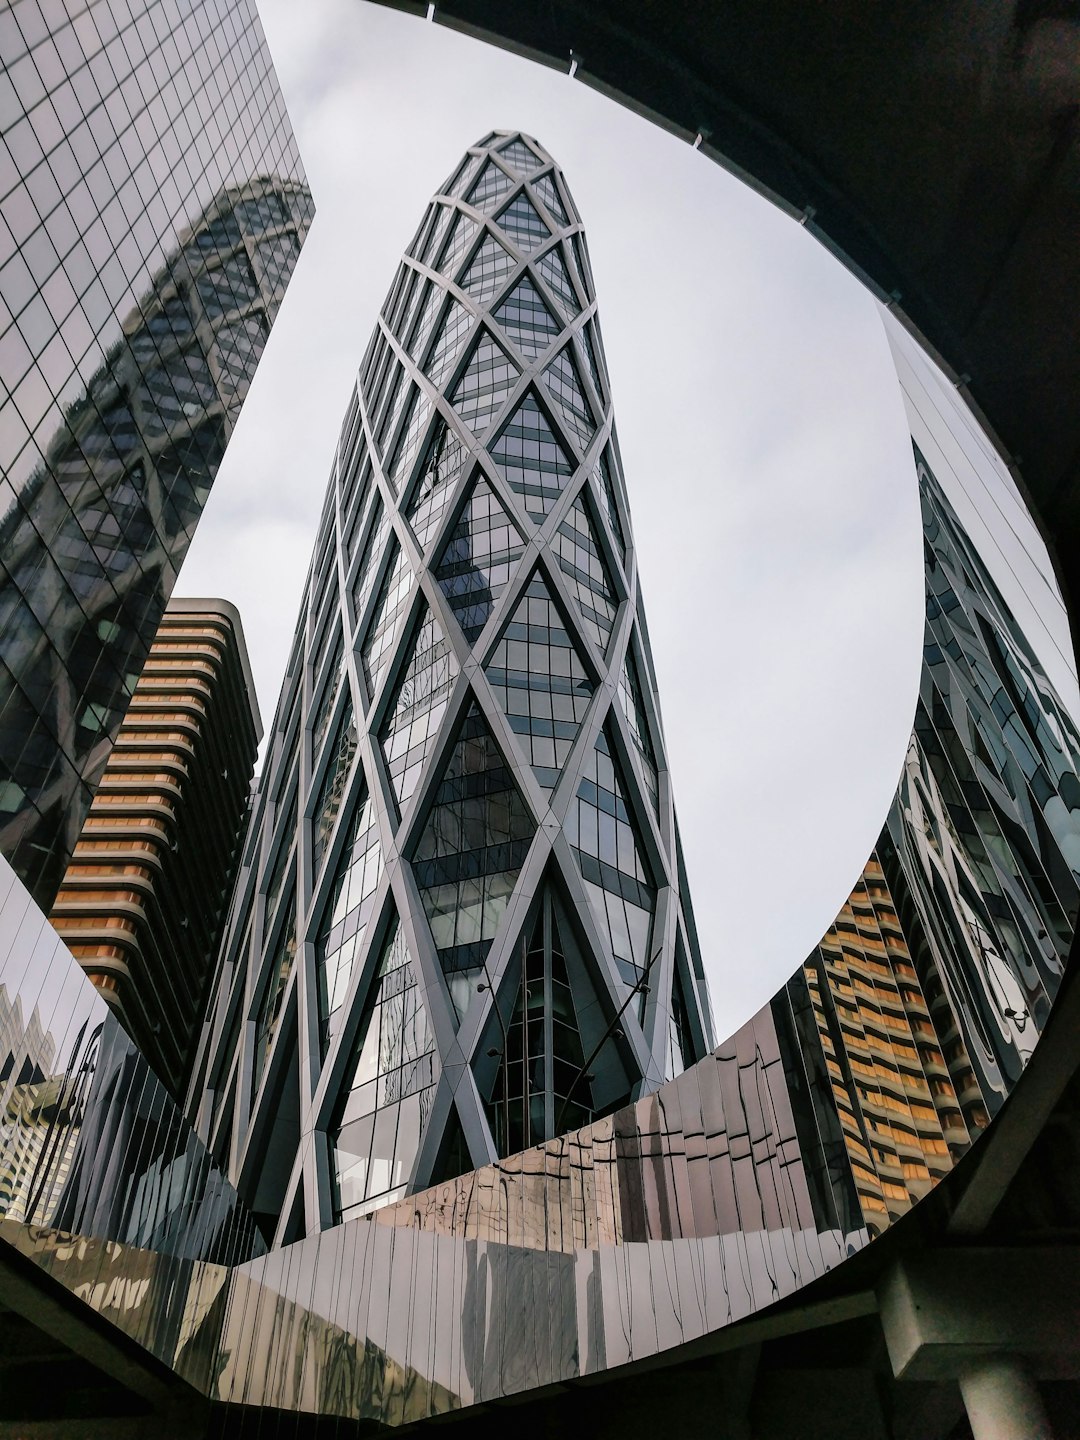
<point x="26" y="1073"/>
<point x="43" y="1111"/>
<point x="154" y="240"/>
<point x="930" y="990"/>
<point x="142" y="904"/>
<point x="92" y="550"/>
<point x="463" y="912"/>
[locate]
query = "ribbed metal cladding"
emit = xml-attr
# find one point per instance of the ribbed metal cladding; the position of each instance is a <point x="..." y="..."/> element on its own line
<point x="459" y="929"/>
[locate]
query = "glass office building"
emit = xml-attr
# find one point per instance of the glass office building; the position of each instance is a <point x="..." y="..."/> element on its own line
<point x="930" y="990"/>
<point x="153" y="208"/>
<point x="463" y="925"/>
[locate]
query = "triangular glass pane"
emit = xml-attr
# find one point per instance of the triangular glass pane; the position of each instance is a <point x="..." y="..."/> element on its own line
<point x="473" y="845"/>
<point x="423" y="230"/>
<point x="393" y="597"/>
<point x="600" y="827"/>
<point x="516" y="1093"/>
<point x="448" y="346"/>
<point x="490" y="267"/>
<point x="590" y="359"/>
<point x="532" y="461"/>
<point x="438" y="233"/>
<point x="545" y="993"/>
<point x="611" y="505"/>
<point x="411" y="436"/>
<point x="583" y="565"/>
<point x="269" y="1012"/>
<point x="409" y="730"/>
<point x="296" y="1225"/>
<point x="394" y="295"/>
<point x="564" y="385"/>
<point x="490" y="187"/>
<point x="329" y="694"/>
<point x="433" y="298"/>
<point x="383" y="1109"/>
<point x="527" y="320"/>
<point x="356" y="475"/>
<point x="412" y="299"/>
<point x="465" y="228"/>
<point x="478" y="560"/>
<point x="577" y="249"/>
<point x="545" y="188"/>
<point x="489" y="377"/>
<point x="345" y="919"/>
<point x="376" y="369"/>
<point x="633" y="706"/>
<point x="283" y="863"/>
<point x="522" y="223"/>
<point x="680" y="1051"/>
<point x="460" y="179"/>
<point x="552" y="271"/>
<point x="518" y="154"/>
<point x="328" y="802"/>
<point x="435" y="483"/>
<point x="369" y="561"/>
<point x="539" y="677"/>
<point x="398" y="391"/>
<point x="572" y="1090"/>
<point x="454" y="1157"/>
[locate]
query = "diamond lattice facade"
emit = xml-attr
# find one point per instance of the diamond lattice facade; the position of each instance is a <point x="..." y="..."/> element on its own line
<point x="463" y="924"/>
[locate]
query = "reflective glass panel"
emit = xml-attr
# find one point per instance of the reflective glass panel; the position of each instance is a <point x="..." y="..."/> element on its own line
<point x="479" y="558"/>
<point x="541" y="682"/>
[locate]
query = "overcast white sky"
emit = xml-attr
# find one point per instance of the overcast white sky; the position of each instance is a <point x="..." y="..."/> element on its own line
<point x="764" y="440"/>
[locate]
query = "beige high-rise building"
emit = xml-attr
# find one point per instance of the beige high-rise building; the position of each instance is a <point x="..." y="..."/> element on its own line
<point x="143" y="900"/>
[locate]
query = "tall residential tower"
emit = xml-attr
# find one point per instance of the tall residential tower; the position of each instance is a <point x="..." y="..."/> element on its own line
<point x="463" y="924"/>
<point x="142" y="905"/>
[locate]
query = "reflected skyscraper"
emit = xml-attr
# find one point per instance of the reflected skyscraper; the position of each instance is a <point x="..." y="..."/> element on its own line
<point x="463" y="924"/>
<point x="156" y="210"/>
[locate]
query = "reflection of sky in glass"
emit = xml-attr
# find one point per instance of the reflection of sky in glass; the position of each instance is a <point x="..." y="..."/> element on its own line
<point x="989" y="507"/>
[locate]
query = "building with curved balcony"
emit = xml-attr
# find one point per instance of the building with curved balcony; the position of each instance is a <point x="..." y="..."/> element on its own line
<point x="142" y="903"/>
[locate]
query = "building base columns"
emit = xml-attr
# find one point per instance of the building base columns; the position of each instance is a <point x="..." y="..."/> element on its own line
<point x="994" y="1320"/>
<point x="1002" y="1400"/>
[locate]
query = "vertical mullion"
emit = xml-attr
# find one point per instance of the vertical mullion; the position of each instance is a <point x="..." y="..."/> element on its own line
<point x="549" y="1027"/>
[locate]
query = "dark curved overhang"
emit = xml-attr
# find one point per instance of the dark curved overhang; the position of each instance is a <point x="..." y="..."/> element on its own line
<point x="933" y="147"/>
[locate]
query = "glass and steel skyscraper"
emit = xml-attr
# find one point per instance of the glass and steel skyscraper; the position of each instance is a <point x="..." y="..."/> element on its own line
<point x="153" y="208"/>
<point x="463" y="925"/>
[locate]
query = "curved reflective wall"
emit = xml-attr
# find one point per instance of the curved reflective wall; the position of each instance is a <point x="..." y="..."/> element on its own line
<point x="708" y="1197"/>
